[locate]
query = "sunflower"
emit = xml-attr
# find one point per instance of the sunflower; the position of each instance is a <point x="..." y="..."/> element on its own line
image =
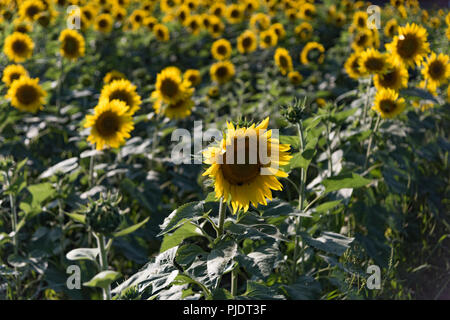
<point x="12" y="73"/>
<point x="44" y="18"/>
<point x="283" y="60"/>
<point x="119" y="13"/>
<point x="193" y="76"/>
<point x="247" y="42"/>
<point x="362" y="40"/>
<point x="252" y="180"/>
<point x="182" y="13"/>
<point x="194" y="24"/>
<point x="304" y="31"/>
<point x="360" y="20"/>
<point x="278" y="28"/>
<point x="150" y="22"/>
<point x="291" y="14"/>
<point x="112" y="76"/>
<point x="213" y="92"/>
<point x="218" y="9"/>
<point x="447" y="19"/>
<point x="352" y="65"/>
<point x="387" y="103"/>
<point x="435" y="22"/>
<point x="307" y="11"/>
<point x="235" y="13"/>
<point x="410" y="46"/>
<point x="72" y="44"/>
<point x="436" y="70"/>
<point x="124" y="91"/>
<point x="30" y="8"/>
<point x="395" y="78"/>
<point x="104" y="23"/>
<point x="161" y="32"/>
<point x="170" y="87"/>
<point x="295" y="77"/>
<point x="110" y="124"/>
<point x="339" y="19"/>
<point x="178" y="110"/>
<point x="26" y="94"/>
<point x="391" y="28"/>
<point x="168" y="5"/>
<point x="18" y="47"/>
<point x="268" y="39"/>
<point x="137" y="18"/>
<point x="259" y="21"/>
<point x="22" y="26"/>
<point x="216" y="27"/>
<point x="312" y="52"/>
<point x="373" y="61"/>
<point x="89" y="12"/>
<point x="222" y="71"/>
<point x="250" y="6"/>
<point x="221" y="49"/>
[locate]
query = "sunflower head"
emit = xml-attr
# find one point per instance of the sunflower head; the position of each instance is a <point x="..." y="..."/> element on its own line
<point x="178" y="110"/>
<point x="104" y="23"/>
<point x="72" y="44"/>
<point x="436" y="70"/>
<point x="360" y="19"/>
<point x="352" y="65"/>
<point x="235" y="13"/>
<point x="12" y="73"/>
<point x="221" y="49"/>
<point x="295" y="77"/>
<point x="150" y="22"/>
<point x="395" y="78"/>
<point x="259" y="21"/>
<point x="29" y="9"/>
<point x="218" y="9"/>
<point x="283" y="60"/>
<point x="122" y="90"/>
<point x="307" y="11"/>
<point x="170" y="87"/>
<point x="26" y="94"/>
<point x="193" y="76"/>
<point x="194" y="24"/>
<point x="410" y="46"/>
<point x="216" y="27"/>
<point x="304" y="31"/>
<point x="245" y="165"/>
<point x="312" y="52"/>
<point x="391" y="28"/>
<point x="362" y="40"/>
<point x="246" y="42"/>
<point x="112" y="76"/>
<point x="22" y="26"/>
<point x="222" y="71"/>
<point x="373" y="62"/>
<point x="267" y="39"/>
<point x="387" y="103"/>
<point x="278" y="28"/>
<point x="161" y="32"/>
<point x="18" y="47"/>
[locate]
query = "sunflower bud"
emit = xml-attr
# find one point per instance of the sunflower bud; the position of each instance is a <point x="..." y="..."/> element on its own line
<point x="104" y="215"/>
<point x="296" y="112"/>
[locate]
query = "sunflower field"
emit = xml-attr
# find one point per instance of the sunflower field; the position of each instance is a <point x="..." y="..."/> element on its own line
<point x="216" y="150"/>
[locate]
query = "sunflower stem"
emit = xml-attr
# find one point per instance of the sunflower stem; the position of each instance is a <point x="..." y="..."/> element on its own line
<point x="91" y="169"/>
<point x="234" y="282"/>
<point x="103" y="262"/>
<point x="222" y="213"/>
<point x="366" y="104"/>
<point x="60" y="83"/>
<point x="12" y="202"/>
<point x="366" y="162"/>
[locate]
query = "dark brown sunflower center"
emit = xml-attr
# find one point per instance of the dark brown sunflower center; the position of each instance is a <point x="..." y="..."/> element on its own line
<point x="32" y="11"/>
<point x="222" y="72"/>
<point x="103" y="23"/>
<point x="22" y="29"/>
<point x="87" y="14"/>
<point x="247" y="42"/>
<point x="374" y="64"/>
<point x="19" y="47"/>
<point x="193" y="78"/>
<point x="362" y="40"/>
<point x="138" y="18"/>
<point x="193" y="25"/>
<point x="222" y="50"/>
<point x="308" y="13"/>
<point x="361" y="22"/>
<point x="216" y="28"/>
<point x="27" y="94"/>
<point x="169" y="88"/>
<point x="389" y="79"/>
<point x="268" y="39"/>
<point x="70" y="45"/>
<point x="160" y="33"/>
<point x="14" y="76"/>
<point x="436" y="70"/>
<point x="284" y="62"/>
<point x="387" y="105"/>
<point x="121" y="95"/>
<point x="44" y="20"/>
<point x="408" y="46"/>
<point x="235" y="13"/>
<point x="108" y="123"/>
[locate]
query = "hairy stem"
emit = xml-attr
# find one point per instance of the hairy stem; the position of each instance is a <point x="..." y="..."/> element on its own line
<point x="103" y="262"/>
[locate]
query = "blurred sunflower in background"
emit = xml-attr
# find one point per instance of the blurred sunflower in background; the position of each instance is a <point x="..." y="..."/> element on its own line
<point x="26" y="94"/>
<point x="170" y="87"/>
<point x="304" y="31"/>
<point x="372" y="61"/>
<point x="395" y="78"/>
<point x="360" y="20"/>
<point x="391" y="27"/>
<point x="193" y="76"/>
<point x="352" y="65"/>
<point x="267" y="39"/>
<point x="18" y="47"/>
<point x="307" y="11"/>
<point x="387" y="103"/>
<point x="235" y="13"/>
<point x="259" y="21"/>
<point x="72" y="44"/>
<point x="247" y="42"/>
<point x="410" y="46"/>
<point x="110" y="125"/>
<point x="29" y="9"/>
<point x="161" y="32"/>
<point x="436" y="70"/>
<point x="362" y="40"/>
<point x="312" y="52"/>
<point x="22" y="26"/>
<point x="12" y="73"/>
<point x="283" y="60"/>
<point x="279" y="30"/>
<point x="122" y="90"/>
<point x="252" y="181"/>
<point x="295" y="77"/>
<point x="104" y="23"/>
<point x="222" y="71"/>
<point x="113" y="75"/>
<point x="178" y="110"/>
<point x="221" y="49"/>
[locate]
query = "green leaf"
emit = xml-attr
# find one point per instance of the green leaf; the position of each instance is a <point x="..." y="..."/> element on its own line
<point x="292" y="140"/>
<point x="185" y="212"/>
<point x="327" y="206"/>
<point x="83" y="254"/>
<point x="77" y="217"/>
<point x="131" y="229"/>
<point x="330" y="242"/>
<point x="258" y="291"/>
<point x="305" y="288"/>
<point x="187" y="253"/>
<point x="185" y="231"/>
<point x="417" y="92"/>
<point x="40" y="193"/>
<point x="220" y="260"/>
<point x="103" y="279"/>
<point x="352" y="180"/>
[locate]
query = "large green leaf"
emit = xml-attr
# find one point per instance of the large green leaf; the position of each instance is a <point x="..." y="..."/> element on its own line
<point x="174" y="239"/>
<point x="83" y="254"/>
<point x="330" y="242"/>
<point x="186" y="211"/>
<point x="347" y="180"/>
<point x="103" y="279"/>
<point x="130" y="229"/>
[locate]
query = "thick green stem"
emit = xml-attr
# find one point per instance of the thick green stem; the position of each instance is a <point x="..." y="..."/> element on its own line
<point x="103" y="262"/>
<point x="370" y="142"/>
<point x="12" y="202"/>
<point x="222" y="213"/>
<point x="91" y="170"/>
<point x="366" y="105"/>
<point x="234" y="281"/>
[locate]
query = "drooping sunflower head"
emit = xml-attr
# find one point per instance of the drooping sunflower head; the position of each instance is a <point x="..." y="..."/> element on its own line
<point x="12" y="73"/>
<point x="18" y="47"/>
<point x="216" y="27"/>
<point x="122" y="90"/>
<point x="246" y="42"/>
<point x="390" y="29"/>
<point x="268" y="38"/>
<point x="283" y="60"/>
<point x="410" y="46"/>
<point x="373" y="62"/>
<point x="150" y="22"/>
<point x="304" y="31"/>
<point x="235" y="13"/>
<point x="193" y="76"/>
<point x="436" y="70"/>
<point x="387" y="103"/>
<point x="259" y="21"/>
<point x="72" y="44"/>
<point x="307" y="11"/>
<point x="110" y="124"/>
<point x="112" y="76"/>
<point x="104" y="23"/>
<point x="291" y="14"/>
<point x="295" y="77"/>
<point x="312" y="52"/>
<point x="222" y="71"/>
<point x="170" y="87"/>
<point x="352" y="66"/>
<point x="360" y="19"/>
<point x="26" y="94"/>
<point x="278" y="28"/>
<point x="395" y="78"/>
<point x="182" y="13"/>
<point x="245" y="165"/>
<point x="221" y="49"/>
<point x="29" y="9"/>
<point x="161" y="32"/>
